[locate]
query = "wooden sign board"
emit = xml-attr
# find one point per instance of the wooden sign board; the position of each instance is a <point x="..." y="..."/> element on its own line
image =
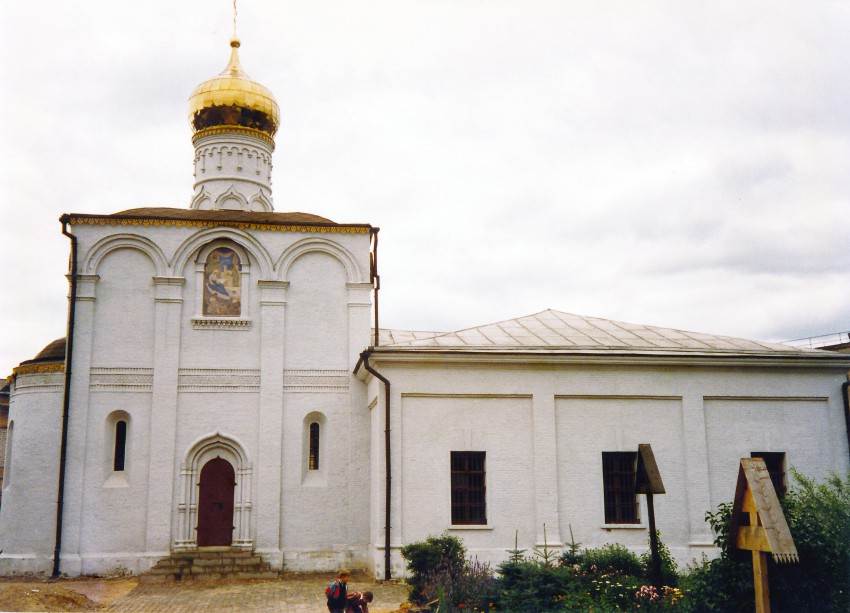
<point x="648" y="481"/>
<point x="758" y="525"/>
<point x="648" y="478"/>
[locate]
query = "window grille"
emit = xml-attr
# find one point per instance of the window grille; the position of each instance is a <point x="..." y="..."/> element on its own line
<point x="619" y="470"/>
<point x="469" y="501"/>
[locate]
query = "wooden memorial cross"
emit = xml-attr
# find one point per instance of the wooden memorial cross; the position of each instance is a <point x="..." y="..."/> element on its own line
<point x="758" y="525"/>
<point x="648" y="481"/>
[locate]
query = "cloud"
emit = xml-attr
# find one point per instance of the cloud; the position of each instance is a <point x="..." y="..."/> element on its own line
<point x="670" y="164"/>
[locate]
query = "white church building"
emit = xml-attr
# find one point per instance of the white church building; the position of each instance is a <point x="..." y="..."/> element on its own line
<point x="221" y="385"/>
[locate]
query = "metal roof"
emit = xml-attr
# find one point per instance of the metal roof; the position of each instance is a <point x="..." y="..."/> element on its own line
<point x="552" y="330"/>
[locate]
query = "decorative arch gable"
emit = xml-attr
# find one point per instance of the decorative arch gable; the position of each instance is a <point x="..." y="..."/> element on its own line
<point x="202" y="200"/>
<point x="259" y="202"/>
<point x="251" y="248"/>
<point x="320" y="245"/>
<point x="92" y="259"/>
<point x="232" y="200"/>
<point x="205" y="447"/>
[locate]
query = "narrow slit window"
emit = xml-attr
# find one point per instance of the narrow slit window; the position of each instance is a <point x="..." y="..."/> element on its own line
<point x="619" y="471"/>
<point x="120" y="446"/>
<point x="313" y="463"/>
<point x="7" y="460"/>
<point x="469" y="492"/>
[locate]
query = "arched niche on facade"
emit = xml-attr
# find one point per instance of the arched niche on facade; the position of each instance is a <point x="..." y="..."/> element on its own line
<point x="222" y="280"/>
<point x="204" y="449"/>
<point x="122" y="292"/>
<point x="95" y="255"/>
<point x="319" y="245"/>
<point x="189" y="250"/>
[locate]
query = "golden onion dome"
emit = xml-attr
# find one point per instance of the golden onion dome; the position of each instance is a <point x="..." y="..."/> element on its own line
<point x="233" y="99"/>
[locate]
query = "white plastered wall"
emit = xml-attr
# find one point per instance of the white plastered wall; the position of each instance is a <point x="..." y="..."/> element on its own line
<point x="554" y="422"/>
<point x="138" y="350"/>
<point x="28" y="512"/>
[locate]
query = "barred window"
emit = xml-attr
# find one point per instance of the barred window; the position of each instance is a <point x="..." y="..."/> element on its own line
<point x="469" y="502"/>
<point x="775" y="462"/>
<point x="313" y="460"/>
<point x="619" y="470"/>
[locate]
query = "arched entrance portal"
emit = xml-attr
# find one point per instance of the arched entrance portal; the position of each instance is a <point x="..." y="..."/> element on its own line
<point x="218" y="453"/>
<point x="215" y="503"/>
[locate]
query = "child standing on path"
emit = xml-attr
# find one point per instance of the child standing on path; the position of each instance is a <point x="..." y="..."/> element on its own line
<point x="337" y="592"/>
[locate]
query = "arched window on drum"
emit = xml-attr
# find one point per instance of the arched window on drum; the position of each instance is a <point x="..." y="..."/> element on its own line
<point x="222" y="283"/>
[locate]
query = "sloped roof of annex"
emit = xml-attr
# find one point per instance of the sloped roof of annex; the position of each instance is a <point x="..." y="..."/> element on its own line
<point x="552" y="333"/>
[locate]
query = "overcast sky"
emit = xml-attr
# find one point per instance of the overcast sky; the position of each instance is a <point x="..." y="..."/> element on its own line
<point x="677" y="164"/>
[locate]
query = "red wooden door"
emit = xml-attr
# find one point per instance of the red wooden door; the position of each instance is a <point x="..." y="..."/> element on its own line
<point x="215" y="504"/>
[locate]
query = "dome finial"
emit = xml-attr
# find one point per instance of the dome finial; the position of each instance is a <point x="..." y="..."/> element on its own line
<point x="234" y="40"/>
<point x="233" y="98"/>
<point x="234" y="25"/>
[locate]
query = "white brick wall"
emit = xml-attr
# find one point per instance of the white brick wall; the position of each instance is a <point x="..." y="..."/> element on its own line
<point x="137" y="350"/>
<point x="306" y="317"/>
<point x="544" y="429"/>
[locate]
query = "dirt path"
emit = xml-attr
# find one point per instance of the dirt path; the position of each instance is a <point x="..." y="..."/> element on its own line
<point x="292" y="593"/>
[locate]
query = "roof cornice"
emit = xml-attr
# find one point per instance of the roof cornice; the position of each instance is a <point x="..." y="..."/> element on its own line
<point x="661" y="357"/>
<point x="200" y="222"/>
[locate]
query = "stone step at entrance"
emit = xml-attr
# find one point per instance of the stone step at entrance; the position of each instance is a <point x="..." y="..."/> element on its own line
<point x="211" y="563"/>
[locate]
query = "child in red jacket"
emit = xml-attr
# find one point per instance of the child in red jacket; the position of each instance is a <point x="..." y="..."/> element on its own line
<point x="337" y="592"/>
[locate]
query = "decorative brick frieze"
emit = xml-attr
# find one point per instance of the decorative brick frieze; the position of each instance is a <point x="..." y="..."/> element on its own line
<point x="44" y="378"/>
<point x="307" y="380"/>
<point x="103" y="379"/>
<point x="218" y="380"/>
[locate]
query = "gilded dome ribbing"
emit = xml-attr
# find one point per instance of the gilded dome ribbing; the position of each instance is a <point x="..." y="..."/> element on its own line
<point x="233" y="99"/>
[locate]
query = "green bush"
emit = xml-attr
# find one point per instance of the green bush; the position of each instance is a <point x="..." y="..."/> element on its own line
<point x="573" y="554"/>
<point x="472" y="587"/>
<point x="669" y="568"/>
<point x="722" y="585"/>
<point x="528" y="585"/>
<point x="608" y="578"/>
<point x="611" y="557"/>
<point x="818" y="517"/>
<point x="445" y="554"/>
